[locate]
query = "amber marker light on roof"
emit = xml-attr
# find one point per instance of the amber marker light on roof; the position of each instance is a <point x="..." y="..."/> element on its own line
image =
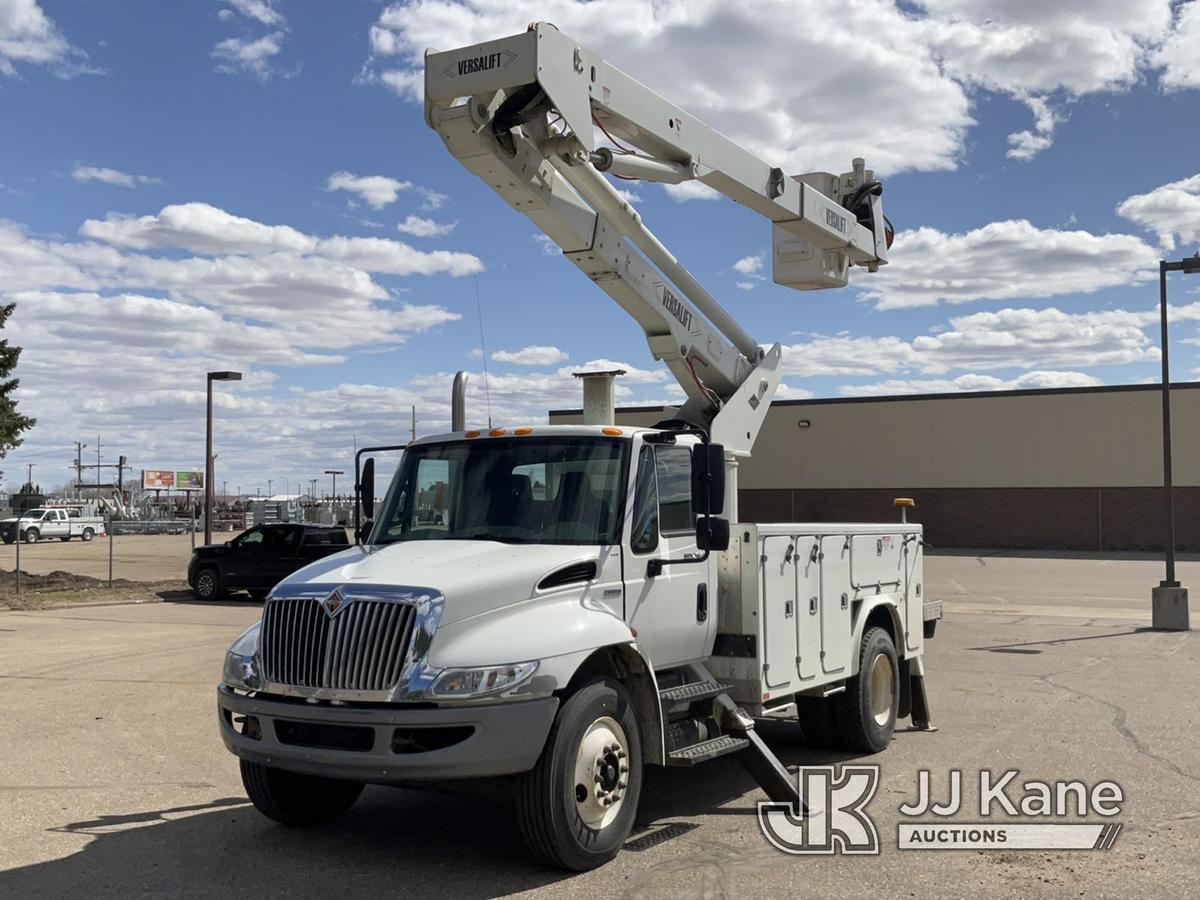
<point x="472" y="434"/>
<point x="496" y="432"/>
<point x="522" y="431"/>
<point x="612" y="431"/>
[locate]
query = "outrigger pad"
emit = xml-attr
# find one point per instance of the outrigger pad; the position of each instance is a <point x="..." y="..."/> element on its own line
<point x="921" y="719"/>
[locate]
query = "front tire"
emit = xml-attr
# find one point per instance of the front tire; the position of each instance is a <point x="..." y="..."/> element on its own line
<point x="208" y="585"/>
<point x="31" y="536"/>
<point x="64" y="538"/>
<point x="576" y="806"/>
<point x="866" y="711"/>
<point x="297" y="800"/>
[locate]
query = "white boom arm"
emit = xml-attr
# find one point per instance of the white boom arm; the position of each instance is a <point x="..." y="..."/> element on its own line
<point x="521" y="113"/>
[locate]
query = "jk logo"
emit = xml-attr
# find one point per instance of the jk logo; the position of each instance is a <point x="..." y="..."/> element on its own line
<point x="836" y="820"/>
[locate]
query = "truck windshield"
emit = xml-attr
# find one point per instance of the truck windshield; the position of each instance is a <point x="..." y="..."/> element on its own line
<point x="526" y="490"/>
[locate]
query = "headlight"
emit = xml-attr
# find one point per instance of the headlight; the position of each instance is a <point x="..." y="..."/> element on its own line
<point x="475" y="682"/>
<point x="241" y="663"/>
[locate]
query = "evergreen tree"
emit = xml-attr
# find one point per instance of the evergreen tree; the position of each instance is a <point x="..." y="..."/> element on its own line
<point x="12" y="423"/>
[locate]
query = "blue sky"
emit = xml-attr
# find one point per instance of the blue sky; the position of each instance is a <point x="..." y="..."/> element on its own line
<point x="251" y="185"/>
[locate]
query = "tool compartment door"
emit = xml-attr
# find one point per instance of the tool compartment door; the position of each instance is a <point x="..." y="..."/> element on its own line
<point x="778" y="572"/>
<point x="808" y="608"/>
<point x="835" y="605"/>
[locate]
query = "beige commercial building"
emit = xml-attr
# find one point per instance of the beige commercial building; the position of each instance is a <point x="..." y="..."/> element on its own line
<point x="1074" y="468"/>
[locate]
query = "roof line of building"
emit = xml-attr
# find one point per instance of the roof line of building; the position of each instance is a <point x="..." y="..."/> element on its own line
<point x="955" y="395"/>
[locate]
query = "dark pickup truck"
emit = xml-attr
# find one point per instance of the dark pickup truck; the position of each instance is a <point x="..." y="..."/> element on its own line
<point x="258" y="559"/>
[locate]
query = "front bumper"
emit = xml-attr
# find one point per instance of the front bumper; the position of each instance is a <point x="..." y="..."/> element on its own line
<point x="382" y="745"/>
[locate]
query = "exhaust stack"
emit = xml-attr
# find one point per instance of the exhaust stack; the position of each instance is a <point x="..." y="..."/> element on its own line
<point x="458" y="402"/>
<point x="599" y="406"/>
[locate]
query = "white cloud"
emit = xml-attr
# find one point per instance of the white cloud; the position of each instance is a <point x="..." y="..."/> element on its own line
<point x="816" y="95"/>
<point x="690" y="190"/>
<point x="1179" y="55"/>
<point x="29" y="36"/>
<point x="1005" y="260"/>
<point x="1025" y="145"/>
<point x="1171" y="211"/>
<point x="253" y="56"/>
<point x="262" y="11"/>
<point x="421" y="227"/>
<point x="377" y="191"/>
<point x="84" y="174"/>
<point x="746" y="285"/>
<point x="749" y="265"/>
<point x="549" y="248"/>
<point x="1005" y="339"/>
<point x="1028" y="381"/>
<point x="536" y="355"/>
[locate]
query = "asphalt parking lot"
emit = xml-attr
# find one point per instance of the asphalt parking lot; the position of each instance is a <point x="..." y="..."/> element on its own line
<point x="114" y="782"/>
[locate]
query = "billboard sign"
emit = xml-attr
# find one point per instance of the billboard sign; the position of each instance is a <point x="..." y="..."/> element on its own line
<point x="172" y="480"/>
<point x="189" y="481"/>
<point x="158" y="479"/>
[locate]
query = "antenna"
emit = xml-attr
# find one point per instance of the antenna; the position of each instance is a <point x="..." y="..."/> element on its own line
<point x="487" y="390"/>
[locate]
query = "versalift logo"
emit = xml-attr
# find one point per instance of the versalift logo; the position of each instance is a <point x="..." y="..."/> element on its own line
<point x="481" y="62"/>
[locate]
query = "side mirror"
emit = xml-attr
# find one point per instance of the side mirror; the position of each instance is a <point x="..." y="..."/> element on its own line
<point x="708" y="479"/>
<point x="366" y="489"/>
<point x="712" y="534"/>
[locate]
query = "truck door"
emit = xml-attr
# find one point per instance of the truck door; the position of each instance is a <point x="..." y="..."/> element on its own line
<point x="808" y="607"/>
<point x="779" y="610"/>
<point x="54" y="523"/>
<point x="673" y="612"/>
<point x="835" y="604"/>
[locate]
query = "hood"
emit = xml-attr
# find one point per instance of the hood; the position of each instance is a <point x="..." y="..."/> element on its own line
<point x="473" y="576"/>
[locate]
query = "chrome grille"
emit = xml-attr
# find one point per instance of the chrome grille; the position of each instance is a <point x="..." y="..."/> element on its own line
<point x="362" y="648"/>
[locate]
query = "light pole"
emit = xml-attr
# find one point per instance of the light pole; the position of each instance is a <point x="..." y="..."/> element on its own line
<point x="1169" y="600"/>
<point x="334" y="473"/>
<point x="208" y="448"/>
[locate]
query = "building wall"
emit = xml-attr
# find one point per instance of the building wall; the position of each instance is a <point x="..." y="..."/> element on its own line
<point x="1076" y="469"/>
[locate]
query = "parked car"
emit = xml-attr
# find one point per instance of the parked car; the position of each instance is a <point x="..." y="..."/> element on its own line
<point x="40" y="523"/>
<point x="257" y="559"/>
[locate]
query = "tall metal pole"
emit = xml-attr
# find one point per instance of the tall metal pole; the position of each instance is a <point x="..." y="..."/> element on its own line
<point x="1168" y="483"/>
<point x="208" y="463"/>
<point x="1169" y="600"/>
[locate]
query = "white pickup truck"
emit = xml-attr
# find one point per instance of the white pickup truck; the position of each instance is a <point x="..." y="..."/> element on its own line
<point x="36" y="524"/>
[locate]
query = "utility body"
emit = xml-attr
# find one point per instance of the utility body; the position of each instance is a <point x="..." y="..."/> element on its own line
<point x="565" y="605"/>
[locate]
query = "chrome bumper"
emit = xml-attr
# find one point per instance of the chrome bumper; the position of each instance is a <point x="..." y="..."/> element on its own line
<point x="385" y="746"/>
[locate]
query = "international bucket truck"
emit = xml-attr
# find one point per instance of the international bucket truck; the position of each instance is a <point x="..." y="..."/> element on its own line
<point x="560" y="607"/>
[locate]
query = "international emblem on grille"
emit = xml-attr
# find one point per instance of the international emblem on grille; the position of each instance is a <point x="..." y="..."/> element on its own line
<point x="333" y="602"/>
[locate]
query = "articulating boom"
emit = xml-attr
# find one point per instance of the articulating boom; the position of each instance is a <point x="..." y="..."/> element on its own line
<point x="522" y="112"/>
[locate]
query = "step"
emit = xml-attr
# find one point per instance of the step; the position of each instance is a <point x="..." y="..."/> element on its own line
<point x="697" y="690"/>
<point x="706" y="750"/>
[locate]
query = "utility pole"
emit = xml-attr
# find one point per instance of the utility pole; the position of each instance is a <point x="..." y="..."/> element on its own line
<point x="333" y="487"/>
<point x="97" y="465"/>
<point x="79" y="448"/>
<point x="29" y="477"/>
<point x="414" y="423"/>
<point x="270" y="492"/>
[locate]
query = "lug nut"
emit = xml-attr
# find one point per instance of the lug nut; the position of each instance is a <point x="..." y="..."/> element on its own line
<point x="620" y="754"/>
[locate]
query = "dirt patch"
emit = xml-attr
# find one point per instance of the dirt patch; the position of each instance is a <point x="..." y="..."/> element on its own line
<point x="68" y="589"/>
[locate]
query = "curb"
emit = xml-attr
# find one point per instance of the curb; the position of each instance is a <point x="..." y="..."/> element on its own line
<point x="87" y="604"/>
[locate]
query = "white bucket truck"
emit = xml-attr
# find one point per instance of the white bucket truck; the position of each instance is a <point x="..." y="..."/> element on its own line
<point x="562" y="606"/>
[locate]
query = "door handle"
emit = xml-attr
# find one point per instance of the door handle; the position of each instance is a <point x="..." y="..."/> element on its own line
<point x="701" y="602"/>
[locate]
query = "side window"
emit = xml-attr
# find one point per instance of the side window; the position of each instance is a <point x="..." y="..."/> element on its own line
<point x="644" y="533"/>
<point x="252" y="538"/>
<point x="674" y="466"/>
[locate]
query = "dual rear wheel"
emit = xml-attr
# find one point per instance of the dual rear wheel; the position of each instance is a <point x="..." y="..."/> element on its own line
<point x="863" y="717"/>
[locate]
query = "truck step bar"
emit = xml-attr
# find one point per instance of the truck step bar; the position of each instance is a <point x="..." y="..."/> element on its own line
<point x="706" y="750"/>
<point x="697" y="690"/>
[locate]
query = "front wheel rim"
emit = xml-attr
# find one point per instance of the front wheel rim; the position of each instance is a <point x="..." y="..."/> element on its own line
<point x="204" y="585"/>
<point x="601" y="773"/>
<point x="881" y="690"/>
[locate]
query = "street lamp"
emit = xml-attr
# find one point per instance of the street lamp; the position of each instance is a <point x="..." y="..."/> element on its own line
<point x="1169" y="600"/>
<point x="208" y="448"/>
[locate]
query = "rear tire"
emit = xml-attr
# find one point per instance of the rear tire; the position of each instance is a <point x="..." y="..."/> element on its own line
<point x="593" y="755"/>
<point x="297" y="800"/>
<point x="65" y="538"/>
<point x="208" y="585"/>
<point x="818" y="722"/>
<point x="866" y="711"/>
<point x="88" y="534"/>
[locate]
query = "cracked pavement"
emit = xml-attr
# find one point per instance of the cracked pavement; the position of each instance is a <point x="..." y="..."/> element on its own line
<point x="115" y="783"/>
